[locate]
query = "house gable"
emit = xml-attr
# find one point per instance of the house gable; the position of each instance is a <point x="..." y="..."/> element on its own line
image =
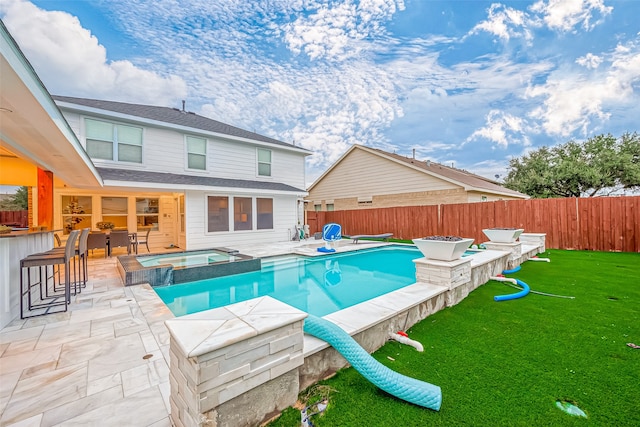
<point x="360" y="173"/>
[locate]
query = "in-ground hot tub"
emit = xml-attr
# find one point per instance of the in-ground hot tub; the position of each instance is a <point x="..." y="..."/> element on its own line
<point x="186" y="266"/>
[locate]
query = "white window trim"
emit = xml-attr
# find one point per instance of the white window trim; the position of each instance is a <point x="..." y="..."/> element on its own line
<point x="231" y="207"/>
<point x="229" y="214"/>
<point x="258" y="163"/>
<point x="114" y="160"/>
<point x="186" y="154"/>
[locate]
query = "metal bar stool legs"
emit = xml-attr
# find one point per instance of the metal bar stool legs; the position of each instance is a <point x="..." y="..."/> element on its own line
<point x="38" y="300"/>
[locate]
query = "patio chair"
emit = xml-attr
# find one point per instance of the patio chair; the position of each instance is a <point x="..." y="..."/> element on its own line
<point x="145" y="240"/>
<point x="119" y="239"/>
<point x="97" y="240"/>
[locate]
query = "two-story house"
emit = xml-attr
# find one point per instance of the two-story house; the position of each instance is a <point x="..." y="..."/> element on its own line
<point x="195" y="182"/>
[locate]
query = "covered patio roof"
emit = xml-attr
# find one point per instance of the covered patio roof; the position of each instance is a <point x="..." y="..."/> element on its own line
<point x="33" y="132"/>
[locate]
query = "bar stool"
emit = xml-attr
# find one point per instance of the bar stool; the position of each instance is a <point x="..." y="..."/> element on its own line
<point x="43" y="261"/>
<point x="82" y="252"/>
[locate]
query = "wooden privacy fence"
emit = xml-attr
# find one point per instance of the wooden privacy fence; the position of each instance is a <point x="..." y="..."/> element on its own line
<point x="599" y="224"/>
<point x="15" y="218"/>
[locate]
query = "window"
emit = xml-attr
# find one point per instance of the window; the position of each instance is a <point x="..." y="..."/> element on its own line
<point x="196" y="153"/>
<point x="76" y="213"/>
<point x="329" y="207"/>
<point x="484" y="198"/>
<point x="114" y="210"/>
<point x="264" y="209"/>
<point x="363" y="201"/>
<point x="264" y="162"/>
<point x="317" y="207"/>
<point x="242" y="213"/>
<point x="147" y="213"/>
<point x="217" y="213"/>
<point x="110" y="141"/>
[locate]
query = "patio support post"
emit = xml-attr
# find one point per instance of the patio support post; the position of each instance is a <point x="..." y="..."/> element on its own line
<point x="45" y="198"/>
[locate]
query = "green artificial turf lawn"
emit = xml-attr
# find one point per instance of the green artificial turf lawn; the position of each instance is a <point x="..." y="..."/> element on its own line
<point x="506" y="363"/>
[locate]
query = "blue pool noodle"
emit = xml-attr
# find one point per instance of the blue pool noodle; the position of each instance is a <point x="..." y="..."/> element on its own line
<point x="520" y="294"/>
<point x="410" y="389"/>
<point x="515" y="270"/>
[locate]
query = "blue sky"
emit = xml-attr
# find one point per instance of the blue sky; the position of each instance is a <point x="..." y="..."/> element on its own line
<point x="469" y="83"/>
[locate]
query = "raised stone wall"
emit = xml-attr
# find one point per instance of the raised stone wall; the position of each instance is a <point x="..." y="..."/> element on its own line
<point x="513" y="249"/>
<point x="536" y="239"/>
<point x="219" y="355"/>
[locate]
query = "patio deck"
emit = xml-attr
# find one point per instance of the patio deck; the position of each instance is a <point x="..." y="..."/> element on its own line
<point x="103" y="362"/>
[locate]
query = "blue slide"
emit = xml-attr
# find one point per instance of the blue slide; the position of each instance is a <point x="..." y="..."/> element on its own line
<point x="406" y="388"/>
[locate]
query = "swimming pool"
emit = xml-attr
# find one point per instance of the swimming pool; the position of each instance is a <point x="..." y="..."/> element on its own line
<point x="317" y="285"/>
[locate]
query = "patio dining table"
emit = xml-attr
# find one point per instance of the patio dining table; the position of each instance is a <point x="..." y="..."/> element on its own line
<point x="133" y="241"/>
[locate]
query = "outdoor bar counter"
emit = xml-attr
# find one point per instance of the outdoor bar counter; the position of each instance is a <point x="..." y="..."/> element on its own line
<point x="13" y="247"/>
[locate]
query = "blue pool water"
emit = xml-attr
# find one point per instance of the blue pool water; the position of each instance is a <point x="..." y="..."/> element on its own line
<point x="316" y="285"/>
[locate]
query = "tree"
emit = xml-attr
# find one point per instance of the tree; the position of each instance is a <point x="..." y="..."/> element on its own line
<point x="17" y="202"/>
<point x="601" y="165"/>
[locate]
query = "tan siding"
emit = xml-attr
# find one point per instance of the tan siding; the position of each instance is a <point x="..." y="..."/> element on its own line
<point x="362" y="174"/>
<point x="421" y="198"/>
<point x="474" y="196"/>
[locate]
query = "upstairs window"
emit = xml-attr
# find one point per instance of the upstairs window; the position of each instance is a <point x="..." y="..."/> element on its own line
<point x="110" y="141"/>
<point x="264" y="162"/>
<point x="196" y="153"/>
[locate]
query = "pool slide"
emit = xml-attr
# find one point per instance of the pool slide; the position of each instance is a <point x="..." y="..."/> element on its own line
<point x="410" y="389"/>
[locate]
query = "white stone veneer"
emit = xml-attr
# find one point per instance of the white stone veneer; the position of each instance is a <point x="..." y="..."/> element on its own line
<point x="220" y="354"/>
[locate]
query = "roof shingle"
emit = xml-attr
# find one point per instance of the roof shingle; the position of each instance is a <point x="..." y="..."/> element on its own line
<point x="463" y="177"/>
<point x="204" y="181"/>
<point x="172" y="116"/>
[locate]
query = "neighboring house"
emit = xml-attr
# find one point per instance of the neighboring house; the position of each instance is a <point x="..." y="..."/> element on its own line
<point x="196" y="182"/>
<point x="365" y="178"/>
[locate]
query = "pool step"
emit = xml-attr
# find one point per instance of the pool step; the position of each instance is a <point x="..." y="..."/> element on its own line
<point x="280" y="262"/>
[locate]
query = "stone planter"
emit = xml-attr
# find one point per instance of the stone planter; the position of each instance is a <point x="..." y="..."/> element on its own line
<point x="503" y="235"/>
<point x="442" y="250"/>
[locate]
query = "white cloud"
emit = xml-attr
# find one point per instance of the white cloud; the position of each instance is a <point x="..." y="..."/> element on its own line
<point x="504" y="22"/>
<point x="328" y="73"/>
<point x="558" y="15"/>
<point x="334" y="30"/>
<point x="573" y="101"/>
<point x="565" y="15"/>
<point x="589" y="61"/>
<point x="71" y="61"/>
<point x="503" y="129"/>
